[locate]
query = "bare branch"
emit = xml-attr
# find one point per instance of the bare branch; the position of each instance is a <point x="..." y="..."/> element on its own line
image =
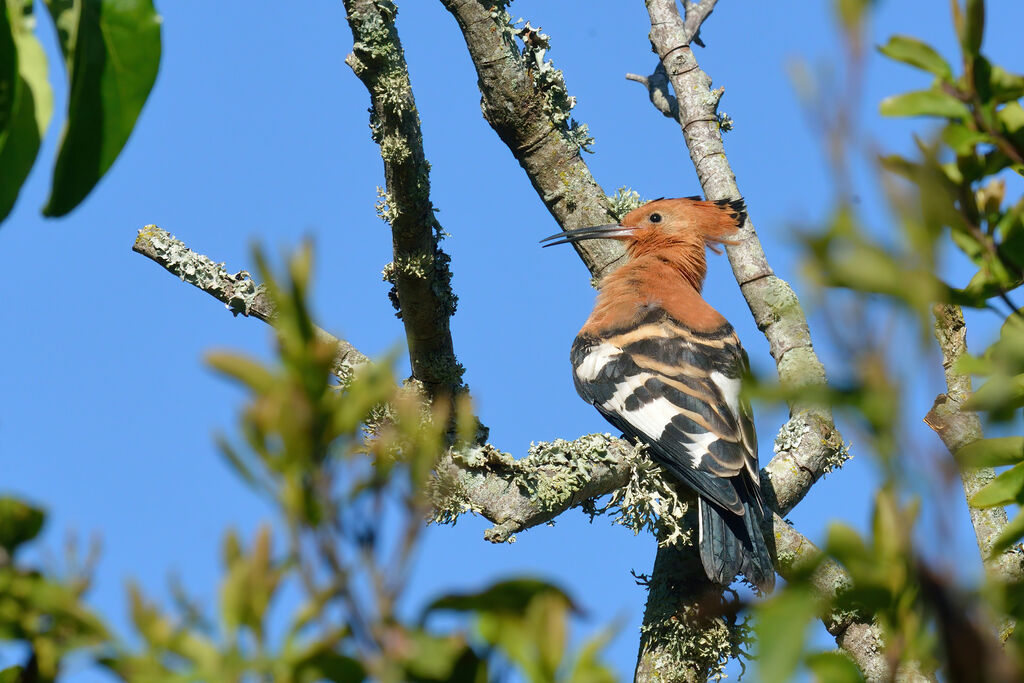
<point x="808" y="444"/>
<point x="525" y="102"/>
<point x="419" y="271"/>
<point x="657" y="90"/>
<point x="696" y="14"/>
<point x="239" y="293"/>
<point x="957" y="428"/>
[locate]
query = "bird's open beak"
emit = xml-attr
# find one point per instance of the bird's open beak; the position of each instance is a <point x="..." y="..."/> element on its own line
<point x="592" y="233"/>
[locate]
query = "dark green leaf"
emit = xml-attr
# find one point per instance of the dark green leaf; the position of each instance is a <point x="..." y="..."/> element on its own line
<point x="916" y="53"/>
<point x="11" y="675"/>
<point x="781" y="629"/>
<point x="924" y="103"/>
<point x="1008" y="450"/>
<point x="833" y="667"/>
<point x="505" y="596"/>
<point x="113" y="50"/>
<point x="1007" y="488"/>
<point x="8" y="73"/>
<point x="322" y="663"/>
<point x="19" y="523"/>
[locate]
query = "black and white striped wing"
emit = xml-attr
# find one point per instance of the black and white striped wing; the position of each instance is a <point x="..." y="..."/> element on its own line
<point x="678" y="391"/>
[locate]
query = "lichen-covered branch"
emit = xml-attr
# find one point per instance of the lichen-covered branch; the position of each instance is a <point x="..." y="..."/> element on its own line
<point x="239" y="293"/>
<point x="810" y="445"/>
<point x="957" y="428"/>
<point x="556" y="476"/>
<point x="419" y="271"/>
<point x="526" y="102"/>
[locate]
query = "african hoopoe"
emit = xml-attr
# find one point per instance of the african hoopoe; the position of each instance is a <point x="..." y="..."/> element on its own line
<point x="664" y="368"/>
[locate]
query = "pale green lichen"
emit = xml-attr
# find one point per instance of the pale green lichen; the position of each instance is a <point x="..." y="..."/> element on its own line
<point x="623" y="201"/>
<point x="549" y="81"/>
<point x="386" y="206"/>
<point x="238" y="290"/>
<point x="792" y="434"/>
<point x="394" y="149"/>
<point x="649" y="502"/>
<point x="686" y="638"/>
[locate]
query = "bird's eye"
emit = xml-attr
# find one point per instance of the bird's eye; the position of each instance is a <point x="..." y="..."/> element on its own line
<point x="655" y="217"/>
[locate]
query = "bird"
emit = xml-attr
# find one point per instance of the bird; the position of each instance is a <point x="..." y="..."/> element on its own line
<point x="665" y="369"/>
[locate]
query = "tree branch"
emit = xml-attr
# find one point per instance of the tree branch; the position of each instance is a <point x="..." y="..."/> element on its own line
<point x="520" y="494"/>
<point x="239" y="293"/>
<point x="957" y="428"/>
<point x="526" y="103"/>
<point x="419" y="272"/>
<point x="808" y="445"/>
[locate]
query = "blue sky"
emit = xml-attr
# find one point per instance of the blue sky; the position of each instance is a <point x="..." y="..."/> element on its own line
<point x="256" y="132"/>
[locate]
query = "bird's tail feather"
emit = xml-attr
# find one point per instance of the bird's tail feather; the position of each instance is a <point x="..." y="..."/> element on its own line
<point x="731" y="545"/>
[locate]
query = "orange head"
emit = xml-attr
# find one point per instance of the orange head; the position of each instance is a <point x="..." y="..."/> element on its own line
<point x="675" y="230"/>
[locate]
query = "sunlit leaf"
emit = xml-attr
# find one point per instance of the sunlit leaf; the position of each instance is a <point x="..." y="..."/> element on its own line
<point x="1007" y="450"/>
<point x="924" y="103"/>
<point x="248" y="371"/>
<point x="781" y="629"/>
<point x="1001" y="393"/>
<point x="1007" y="488"/>
<point x="1010" y="534"/>
<point x="112" y="48"/>
<point x="833" y="667"/>
<point x="973" y="27"/>
<point x="30" y="117"/>
<point x="962" y="139"/>
<point x="917" y="53"/>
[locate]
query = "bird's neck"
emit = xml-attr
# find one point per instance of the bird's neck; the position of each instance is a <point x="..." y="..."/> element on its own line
<point x="652" y="282"/>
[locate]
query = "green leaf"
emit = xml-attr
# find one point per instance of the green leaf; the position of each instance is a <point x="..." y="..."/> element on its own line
<point x="924" y="103"/>
<point x="19" y="523"/>
<point x="8" y="73"/>
<point x="833" y="667"/>
<point x="1001" y="393"/>
<point x="1007" y="488"/>
<point x="1010" y="534"/>
<point x="321" y="663"/>
<point x="505" y="596"/>
<point x="781" y="630"/>
<point x="249" y="371"/>
<point x="916" y="53"/>
<point x="962" y="140"/>
<point x="113" y="53"/>
<point x="30" y="118"/>
<point x="11" y="675"/>
<point x="1004" y="86"/>
<point x="1011" y="118"/>
<point x="1008" y="450"/>
<point x="973" y="27"/>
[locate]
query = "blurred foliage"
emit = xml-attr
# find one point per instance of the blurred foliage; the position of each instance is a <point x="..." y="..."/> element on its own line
<point x="344" y="468"/>
<point x="40" y="609"/>
<point x="111" y="51"/>
<point x="952" y="196"/>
